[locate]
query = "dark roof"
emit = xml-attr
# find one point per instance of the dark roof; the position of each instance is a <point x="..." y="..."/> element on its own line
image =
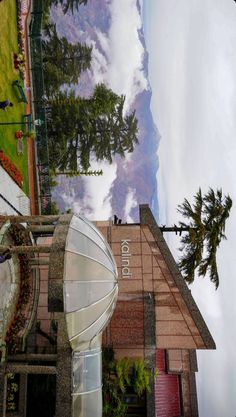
<point x="147" y="218"/>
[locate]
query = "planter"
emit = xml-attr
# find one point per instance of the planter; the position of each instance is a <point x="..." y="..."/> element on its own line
<point x="19" y="134"/>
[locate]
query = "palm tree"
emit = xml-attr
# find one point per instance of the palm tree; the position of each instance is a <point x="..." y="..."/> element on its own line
<point x="202" y="233"/>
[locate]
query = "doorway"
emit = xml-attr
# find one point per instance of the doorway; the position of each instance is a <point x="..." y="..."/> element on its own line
<point x="41" y="396"/>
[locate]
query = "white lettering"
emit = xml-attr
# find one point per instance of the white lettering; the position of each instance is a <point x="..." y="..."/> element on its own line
<point x="125" y="258"/>
<point x="126" y="272"/>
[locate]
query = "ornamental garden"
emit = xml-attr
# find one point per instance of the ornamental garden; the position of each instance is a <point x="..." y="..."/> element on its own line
<point x="12" y="58"/>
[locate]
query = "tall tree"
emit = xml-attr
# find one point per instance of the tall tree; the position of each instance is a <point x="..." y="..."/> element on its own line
<point x="63" y="61"/>
<point x="90" y="127"/>
<point x="202" y="233"/>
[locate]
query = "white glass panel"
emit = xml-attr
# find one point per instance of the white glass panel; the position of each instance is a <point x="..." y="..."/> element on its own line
<point x="88" y="405"/>
<point x="78" y="243"/>
<point x="87" y="371"/>
<point x="81" y="268"/>
<point x="91" y="224"/>
<point x="87" y="230"/>
<point x="100" y="235"/>
<point x="83" y="294"/>
<point x="93" y="330"/>
<point x="80" y="320"/>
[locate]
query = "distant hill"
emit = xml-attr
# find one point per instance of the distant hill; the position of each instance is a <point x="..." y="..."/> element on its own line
<point x="135" y="175"/>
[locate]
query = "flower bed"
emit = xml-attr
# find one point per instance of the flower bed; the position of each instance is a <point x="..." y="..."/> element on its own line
<point x="20" y="29"/>
<point x="18" y="236"/>
<point x="11" y="169"/>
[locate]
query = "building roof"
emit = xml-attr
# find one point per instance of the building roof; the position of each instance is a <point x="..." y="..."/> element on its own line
<point x="147" y="218"/>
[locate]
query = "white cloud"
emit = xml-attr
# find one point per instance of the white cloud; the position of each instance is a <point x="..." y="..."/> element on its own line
<point x="104" y="41"/>
<point x="130" y="203"/>
<point x="122" y="66"/>
<point x="97" y="201"/>
<point x="125" y="71"/>
<point x="118" y="62"/>
<point x="99" y="62"/>
<point x="193" y="66"/>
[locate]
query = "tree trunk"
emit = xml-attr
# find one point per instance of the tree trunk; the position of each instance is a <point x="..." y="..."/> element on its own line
<point x="86" y="173"/>
<point x="174" y="229"/>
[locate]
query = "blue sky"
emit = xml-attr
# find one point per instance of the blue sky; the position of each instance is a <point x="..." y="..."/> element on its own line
<point x="192" y="71"/>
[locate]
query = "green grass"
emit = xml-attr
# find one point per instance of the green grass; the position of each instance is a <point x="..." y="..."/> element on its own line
<point x="8" y="46"/>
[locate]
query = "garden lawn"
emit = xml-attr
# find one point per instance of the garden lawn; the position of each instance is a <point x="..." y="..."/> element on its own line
<point x="8" y="46"/>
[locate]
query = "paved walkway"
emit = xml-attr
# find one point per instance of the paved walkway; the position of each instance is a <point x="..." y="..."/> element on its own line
<point x="12" y="199"/>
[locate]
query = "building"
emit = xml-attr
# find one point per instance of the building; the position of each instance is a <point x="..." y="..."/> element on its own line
<point x="61" y="287"/>
<point x="156" y="316"/>
<point x="72" y="287"/>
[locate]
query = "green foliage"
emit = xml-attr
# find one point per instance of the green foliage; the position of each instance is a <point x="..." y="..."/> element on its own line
<point x="119" y="375"/>
<point x="63" y="61"/>
<point x="53" y="209"/>
<point x="9" y="46"/>
<point x="80" y="128"/>
<point x="115" y="408"/>
<point x="69" y="5"/>
<point x="206" y="227"/>
<point x="140" y="377"/>
<point x="122" y="370"/>
<point x="46" y="13"/>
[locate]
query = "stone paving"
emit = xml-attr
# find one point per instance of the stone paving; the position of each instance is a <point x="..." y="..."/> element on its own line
<point x="13" y="196"/>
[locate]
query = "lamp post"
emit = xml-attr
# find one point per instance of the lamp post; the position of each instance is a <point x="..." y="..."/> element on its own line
<point x="37" y="122"/>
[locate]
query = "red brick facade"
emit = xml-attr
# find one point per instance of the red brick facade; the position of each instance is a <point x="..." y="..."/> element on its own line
<point x="146" y="269"/>
<point x="149" y="272"/>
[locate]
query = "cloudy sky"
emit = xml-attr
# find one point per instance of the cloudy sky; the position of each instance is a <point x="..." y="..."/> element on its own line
<point x="192" y="73"/>
<point x="118" y="61"/>
<point x="193" y="77"/>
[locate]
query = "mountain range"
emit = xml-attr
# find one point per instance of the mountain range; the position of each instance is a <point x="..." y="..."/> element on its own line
<point x="134" y="177"/>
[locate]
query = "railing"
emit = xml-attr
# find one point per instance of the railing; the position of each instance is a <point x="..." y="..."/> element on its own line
<point x="39" y="105"/>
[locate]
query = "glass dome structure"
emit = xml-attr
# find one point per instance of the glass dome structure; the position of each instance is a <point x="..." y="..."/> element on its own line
<point x="90" y="283"/>
<point x="90" y="290"/>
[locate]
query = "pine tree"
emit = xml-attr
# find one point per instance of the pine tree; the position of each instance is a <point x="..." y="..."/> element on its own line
<point x="202" y="233"/>
<point x="63" y="61"/>
<point x="81" y="128"/>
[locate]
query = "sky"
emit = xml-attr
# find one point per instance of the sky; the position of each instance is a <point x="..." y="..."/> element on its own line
<point x="122" y="75"/>
<point x="192" y="72"/>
